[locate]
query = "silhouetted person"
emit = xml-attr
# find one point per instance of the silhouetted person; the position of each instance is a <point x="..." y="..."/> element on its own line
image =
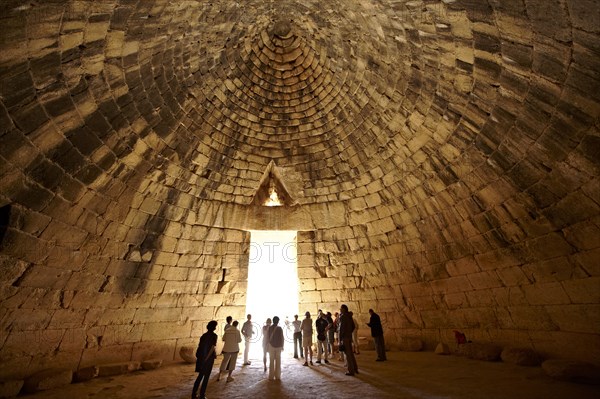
<point x="275" y="348"/>
<point x="265" y="343"/>
<point x="321" y="327"/>
<point x="346" y="328"/>
<point x="205" y="358"/>
<point x="355" y="335"/>
<point x="297" y="337"/>
<point x="307" y="332"/>
<point x="330" y="334"/>
<point x="231" y="348"/>
<point x="247" y="333"/>
<point x="228" y="320"/>
<point x="377" y="334"/>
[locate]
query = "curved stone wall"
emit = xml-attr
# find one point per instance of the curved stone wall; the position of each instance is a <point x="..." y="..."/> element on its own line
<point x="442" y="158"/>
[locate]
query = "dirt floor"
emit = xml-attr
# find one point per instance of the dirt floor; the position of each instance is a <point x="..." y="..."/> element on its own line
<point x="406" y="375"/>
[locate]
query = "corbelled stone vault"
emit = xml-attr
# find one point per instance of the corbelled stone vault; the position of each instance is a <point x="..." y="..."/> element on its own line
<point x="440" y="161"/>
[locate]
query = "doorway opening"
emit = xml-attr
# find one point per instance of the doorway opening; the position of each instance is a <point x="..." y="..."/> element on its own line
<point x="272" y="283"/>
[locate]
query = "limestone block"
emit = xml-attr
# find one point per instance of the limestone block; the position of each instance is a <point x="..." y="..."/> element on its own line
<point x="497" y="259"/>
<point x="575" y="318"/>
<point x="454" y="301"/>
<point x="484" y="280"/>
<point x="116" y="334"/>
<point x="47" y="379"/>
<point x="73" y="340"/>
<point x="192" y="260"/>
<point x="174" y="273"/>
<point x="545" y="294"/>
<point x="442" y="349"/>
<point x="213" y="299"/>
<point x="310" y="296"/>
<point x="86" y="374"/>
<point x="588" y="260"/>
<point x="116" y="316"/>
<point x="584" y="290"/>
<point x="512" y="276"/>
<point x="45" y="277"/>
<point x="30" y="319"/>
<point x="153" y="350"/>
<point x="381" y="226"/>
<point x="150" y="206"/>
<point x="151" y="364"/>
<point x="573" y="371"/>
<point x="307" y="284"/>
<point x="96" y="30"/>
<point x="327" y="283"/>
<point x="195" y="313"/>
<point x="357" y="204"/>
<point x="330" y="295"/>
<point x="10" y="388"/>
<point x="106" y="370"/>
<point x="451" y="285"/>
<point x="157" y="315"/>
<point x="162" y="331"/>
<point x="583" y="235"/>
<point x="154" y="287"/>
<point x="11" y="269"/>
<point x="408" y="344"/>
<point x="188" y="354"/>
<point x="480" y="351"/>
<point x="549" y="246"/>
<point x="462" y="266"/>
<point x="70" y="40"/>
<point x="481" y="298"/>
<point x="181" y="287"/>
<point x="63" y="234"/>
<point x="520" y="356"/>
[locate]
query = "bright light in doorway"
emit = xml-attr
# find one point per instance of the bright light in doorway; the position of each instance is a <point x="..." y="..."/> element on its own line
<point x="272" y="281"/>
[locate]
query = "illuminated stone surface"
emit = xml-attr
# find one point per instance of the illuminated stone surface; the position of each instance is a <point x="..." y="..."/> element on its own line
<point x="440" y="160"/>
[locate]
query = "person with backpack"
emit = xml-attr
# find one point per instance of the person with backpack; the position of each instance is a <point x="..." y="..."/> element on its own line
<point x="276" y="342"/>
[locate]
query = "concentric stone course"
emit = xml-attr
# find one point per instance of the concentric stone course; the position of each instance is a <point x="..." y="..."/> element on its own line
<point x="443" y="158"/>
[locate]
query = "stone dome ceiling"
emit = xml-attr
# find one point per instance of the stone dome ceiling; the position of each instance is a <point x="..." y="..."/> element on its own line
<point x="402" y="96"/>
<point x="439" y="158"/>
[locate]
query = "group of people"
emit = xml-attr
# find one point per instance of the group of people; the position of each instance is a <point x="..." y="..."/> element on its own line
<point x="207" y="350"/>
<point x="342" y="329"/>
<point x="329" y="332"/>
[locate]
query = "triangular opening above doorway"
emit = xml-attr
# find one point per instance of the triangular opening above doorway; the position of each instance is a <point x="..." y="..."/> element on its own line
<point x="272" y="190"/>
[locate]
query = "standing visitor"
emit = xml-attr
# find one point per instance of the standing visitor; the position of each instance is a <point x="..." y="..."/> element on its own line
<point x="205" y="358"/>
<point x="228" y="320"/>
<point x="307" y="332"/>
<point x="265" y="341"/>
<point x="321" y="327"/>
<point x="377" y="334"/>
<point x="231" y="348"/>
<point x="336" y="322"/>
<point x="297" y="337"/>
<point x="247" y="333"/>
<point x="355" y="335"/>
<point x="346" y="329"/>
<point x="330" y="334"/>
<point x="275" y="348"/>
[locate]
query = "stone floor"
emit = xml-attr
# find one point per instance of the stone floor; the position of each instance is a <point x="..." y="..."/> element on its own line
<point x="406" y="375"/>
